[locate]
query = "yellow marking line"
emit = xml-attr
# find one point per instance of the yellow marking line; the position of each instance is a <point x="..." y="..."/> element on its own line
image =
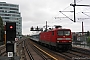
<point x="46" y="53"/>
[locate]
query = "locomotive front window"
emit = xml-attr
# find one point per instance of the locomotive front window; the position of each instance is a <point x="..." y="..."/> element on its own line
<point x="60" y="32"/>
<point x="66" y="33"/>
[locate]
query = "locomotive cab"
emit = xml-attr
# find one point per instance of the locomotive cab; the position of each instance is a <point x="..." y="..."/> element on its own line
<point x="64" y="38"/>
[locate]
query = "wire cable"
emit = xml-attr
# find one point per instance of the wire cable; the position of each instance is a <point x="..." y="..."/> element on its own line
<point x="71" y="3"/>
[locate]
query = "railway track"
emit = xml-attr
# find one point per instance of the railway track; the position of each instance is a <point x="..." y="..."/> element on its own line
<point x="28" y="52"/>
<point x="80" y="50"/>
<point x="2" y="50"/>
<point x="35" y="53"/>
<point x="72" y="55"/>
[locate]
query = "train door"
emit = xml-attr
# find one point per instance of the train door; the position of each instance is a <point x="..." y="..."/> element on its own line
<point x="53" y="39"/>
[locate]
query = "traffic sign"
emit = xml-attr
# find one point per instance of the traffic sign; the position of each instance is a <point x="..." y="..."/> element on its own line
<point x="16" y="39"/>
<point x="10" y="54"/>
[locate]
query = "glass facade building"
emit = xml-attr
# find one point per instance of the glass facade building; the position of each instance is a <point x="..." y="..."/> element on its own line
<point x="10" y="13"/>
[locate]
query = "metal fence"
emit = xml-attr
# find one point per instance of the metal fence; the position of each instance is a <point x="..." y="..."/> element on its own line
<point x="80" y="41"/>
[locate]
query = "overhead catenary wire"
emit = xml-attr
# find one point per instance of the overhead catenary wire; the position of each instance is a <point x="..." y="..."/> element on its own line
<point x="74" y="9"/>
<point x="71" y="3"/>
<point x="69" y="6"/>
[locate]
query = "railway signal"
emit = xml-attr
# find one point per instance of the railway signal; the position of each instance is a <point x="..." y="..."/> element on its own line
<point x="9" y="47"/>
<point x="10" y="38"/>
<point x="10" y="31"/>
<point x="32" y="28"/>
<point x="36" y="29"/>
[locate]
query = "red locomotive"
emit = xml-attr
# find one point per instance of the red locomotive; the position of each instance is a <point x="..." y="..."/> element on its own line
<point x="57" y="38"/>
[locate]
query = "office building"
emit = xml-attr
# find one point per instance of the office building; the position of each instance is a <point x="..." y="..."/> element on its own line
<point x="10" y="13"/>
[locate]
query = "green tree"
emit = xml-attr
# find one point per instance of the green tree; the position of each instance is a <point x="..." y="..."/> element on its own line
<point x="88" y="41"/>
<point x="1" y="30"/>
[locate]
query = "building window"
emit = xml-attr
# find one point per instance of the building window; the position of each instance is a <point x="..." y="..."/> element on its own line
<point x="5" y="5"/>
<point x="14" y="5"/>
<point x="0" y="7"/>
<point x="4" y="8"/>
<point x="13" y="12"/>
<point x="7" y="15"/>
<point x="7" y="18"/>
<point x="1" y="10"/>
<point x="13" y="9"/>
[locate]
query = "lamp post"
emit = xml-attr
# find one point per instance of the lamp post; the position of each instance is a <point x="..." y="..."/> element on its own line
<point x="82" y="28"/>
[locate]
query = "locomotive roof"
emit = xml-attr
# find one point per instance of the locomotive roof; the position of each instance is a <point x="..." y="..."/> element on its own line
<point x="56" y="29"/>
<point x="60" y="29"/>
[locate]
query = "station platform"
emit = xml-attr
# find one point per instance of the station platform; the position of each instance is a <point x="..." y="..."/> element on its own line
<point x="82" y="47"/>
<point x="9" y="58"/>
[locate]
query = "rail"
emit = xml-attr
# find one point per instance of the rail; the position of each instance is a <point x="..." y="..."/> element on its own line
<point x="1" y="48"/>
<point x="29" y="54"/>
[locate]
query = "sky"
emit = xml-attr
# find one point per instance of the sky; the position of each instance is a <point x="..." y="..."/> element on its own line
<point x="37" y="12"/>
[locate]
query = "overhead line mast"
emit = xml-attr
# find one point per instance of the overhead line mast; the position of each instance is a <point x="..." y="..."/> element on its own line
<point x="74" y="8"/>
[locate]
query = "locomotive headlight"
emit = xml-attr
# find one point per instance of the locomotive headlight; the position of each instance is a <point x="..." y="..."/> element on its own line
<point x="70" y="41"/>
<point x="57" y="41"/>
